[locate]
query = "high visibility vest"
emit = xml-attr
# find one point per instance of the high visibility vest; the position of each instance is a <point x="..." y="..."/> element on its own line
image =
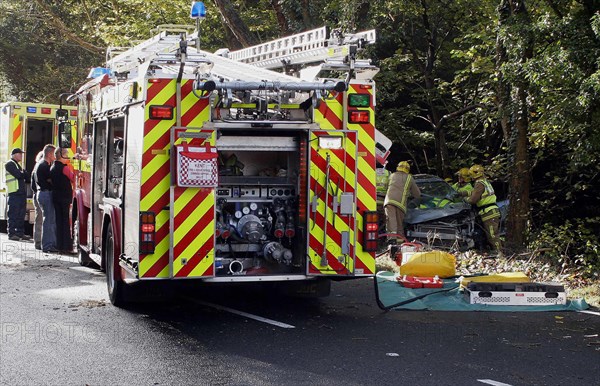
<point x="435" y="202"/>
<point x="488" y="196"/>
<point x="487" y="202"/>
<point x="382" y="179"/>
<point x="468" y="188"/>
<point x="12" y="183"/>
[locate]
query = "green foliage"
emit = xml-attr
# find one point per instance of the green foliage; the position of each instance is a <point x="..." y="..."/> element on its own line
<point x="574" y="243"/>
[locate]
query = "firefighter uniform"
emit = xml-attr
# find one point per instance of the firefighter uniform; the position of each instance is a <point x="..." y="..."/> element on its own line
<point x="463" y="185"/>
<point x="16" y="180"/>
<point x="484" y="198"/>
<point x="464" y="189"/>
<point x="401" y="186"/>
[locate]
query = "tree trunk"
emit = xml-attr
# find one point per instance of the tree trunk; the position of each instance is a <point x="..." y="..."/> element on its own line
<point x="280" y="16"/>
<point x="503" y="89"/>
<point x="520" y="178"/>
<point x="235" y="24"/>
<point x="439" y="134"/>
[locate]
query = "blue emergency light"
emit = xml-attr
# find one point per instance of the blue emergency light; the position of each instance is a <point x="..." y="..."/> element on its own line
<point x="31" y="109"/>
<point x="198" y="10"/>
<point x="98" y="71"/>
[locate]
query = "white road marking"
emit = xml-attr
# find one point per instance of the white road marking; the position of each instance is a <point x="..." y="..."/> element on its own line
<point x="244" y="314"/>
<point x="590" y="312"/>
<point x="492" y="382"/>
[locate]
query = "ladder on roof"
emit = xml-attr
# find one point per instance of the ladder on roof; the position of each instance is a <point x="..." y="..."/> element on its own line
<point x="310" y="47"/>
<point x="165" y="43"/>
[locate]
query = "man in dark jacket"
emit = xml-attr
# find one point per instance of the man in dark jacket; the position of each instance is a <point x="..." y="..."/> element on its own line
<point x="62" y="177"/>
<point x="16" y="180"/>
<point x="44" y="195"/>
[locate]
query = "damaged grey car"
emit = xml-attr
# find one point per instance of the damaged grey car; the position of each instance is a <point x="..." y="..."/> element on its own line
<point x="442" y="219"/>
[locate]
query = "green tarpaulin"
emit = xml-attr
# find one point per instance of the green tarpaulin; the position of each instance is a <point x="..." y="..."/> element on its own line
<point x="391" y="295"/>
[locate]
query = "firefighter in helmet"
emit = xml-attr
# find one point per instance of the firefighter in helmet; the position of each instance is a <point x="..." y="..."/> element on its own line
<point x="464" y="182"/>
<point x="401" y="186"/>
<point x="484" y="198"/>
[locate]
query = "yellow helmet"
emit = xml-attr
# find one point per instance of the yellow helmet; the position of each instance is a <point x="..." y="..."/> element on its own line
<point x="403" y="166"/>
<point x="476" y="171"/>
<point x="465" y="174"/>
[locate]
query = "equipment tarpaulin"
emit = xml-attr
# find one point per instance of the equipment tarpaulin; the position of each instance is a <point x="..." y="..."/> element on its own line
<point x="391" y="295"/>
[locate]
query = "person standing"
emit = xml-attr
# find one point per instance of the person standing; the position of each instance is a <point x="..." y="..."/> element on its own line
<point x="16" y="180"/>
<point x="401" y="186"/>
<point x="463" y="185"/>
<point x="484" y="198"/>
<point x="37" y="224"/>
<point x="62" y="177"/>
<point x="44" y="184"/>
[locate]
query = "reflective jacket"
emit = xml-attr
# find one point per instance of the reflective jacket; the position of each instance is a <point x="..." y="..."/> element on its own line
<point x="484" y="197"/>
<point x="435" y="202"/>
<point x="467" y="188"/>
<point x="382" y="180"/>
<point x="16" y="178"/>
<point x="401" y="186"/>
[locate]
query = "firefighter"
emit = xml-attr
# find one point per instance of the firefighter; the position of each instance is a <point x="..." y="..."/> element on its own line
<point x="463" y="185"/>
<point x="16" y="180"/>
<point x="401" y="186"/>
<point x="484" y="198"/>
<point x="382" y="180"/>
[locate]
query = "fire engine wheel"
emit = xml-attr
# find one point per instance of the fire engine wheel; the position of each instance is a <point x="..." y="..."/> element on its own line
<point x="82" y="256"/>
<point x="116" y="288"/>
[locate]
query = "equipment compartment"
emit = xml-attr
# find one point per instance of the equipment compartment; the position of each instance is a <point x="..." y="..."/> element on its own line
<point x="257" y="225"/>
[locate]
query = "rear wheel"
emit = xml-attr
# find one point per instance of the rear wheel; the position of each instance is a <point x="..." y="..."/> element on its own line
<point x="82" y="256"/>
<point x="116" y="288"/>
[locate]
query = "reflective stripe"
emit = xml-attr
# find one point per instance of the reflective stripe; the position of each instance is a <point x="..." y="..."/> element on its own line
<point x="488" y="196"/>
<point x="402" y="205"/>
<point x="489" y="213"/>
<point x="12" y="183"/>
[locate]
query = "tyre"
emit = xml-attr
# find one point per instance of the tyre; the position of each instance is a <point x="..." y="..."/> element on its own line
<point x="82" y="256"/>
<point x="116" y="288"/>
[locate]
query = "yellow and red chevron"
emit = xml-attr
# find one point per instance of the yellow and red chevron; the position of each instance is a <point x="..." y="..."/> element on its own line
<point x="193" y="222"/>
<point x="331" y="115"/>
<point x="342" y="177"/>
<point x="156" y="164"/>
<point x="366" y="189"/>
<point x="17" y="137"/>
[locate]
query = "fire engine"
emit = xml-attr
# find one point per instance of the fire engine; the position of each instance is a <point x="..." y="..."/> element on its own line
<point x="28" y="126"/>
<point x="195" y="165"/>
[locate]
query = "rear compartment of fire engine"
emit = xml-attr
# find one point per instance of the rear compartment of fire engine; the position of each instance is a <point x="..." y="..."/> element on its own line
<point x="259" y="199"/>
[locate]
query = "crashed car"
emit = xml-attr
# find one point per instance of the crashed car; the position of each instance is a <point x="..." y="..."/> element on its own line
<point x="442" y="219"/>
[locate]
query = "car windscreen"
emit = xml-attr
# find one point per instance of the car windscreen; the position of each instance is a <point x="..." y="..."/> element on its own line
<point x="438" y="189"/>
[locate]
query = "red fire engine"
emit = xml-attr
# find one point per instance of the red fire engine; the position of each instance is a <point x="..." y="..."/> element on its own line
<point x="197" y="166"/>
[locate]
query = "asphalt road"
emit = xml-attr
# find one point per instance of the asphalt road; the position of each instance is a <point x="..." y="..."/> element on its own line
<point x="58" y="328"/>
